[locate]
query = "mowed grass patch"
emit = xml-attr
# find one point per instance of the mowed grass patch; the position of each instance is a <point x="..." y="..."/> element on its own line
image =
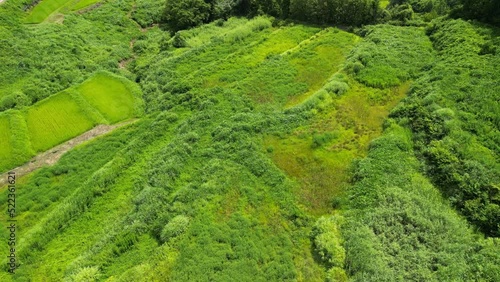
<point x="44" y="9"/>
<point x="110" y="95"/>
<point x="55" y="120"/>
<point x="5" y="146"/>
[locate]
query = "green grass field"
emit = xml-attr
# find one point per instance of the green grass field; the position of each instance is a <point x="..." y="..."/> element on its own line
<point x="5" y="146"/>
<point x="47" y="7"/>
<point x="110" y="96"/>
<point x="55" y="120"/>
<point x="271" y="150"/>
<point x="44" y="9"/>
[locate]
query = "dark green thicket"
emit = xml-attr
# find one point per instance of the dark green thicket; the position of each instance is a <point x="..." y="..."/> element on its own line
<point x="413" y="11"/>
<point x="484" y="10"/>
<point x="398" y="226"/>
<point x="427" y="6"/>
<point x="453" y="111"/>
<point x="188" y="13"/>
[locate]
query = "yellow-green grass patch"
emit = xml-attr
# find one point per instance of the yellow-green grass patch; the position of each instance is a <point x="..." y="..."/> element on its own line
<point x="201" y="35"/>
<point x="110" y="95"/>
<point x="258" y="62"/>
<point x="5" y="146"/>
<point x="55" y="120"/>
<point x="319" y="154"/>
<point x="44" y="9"/>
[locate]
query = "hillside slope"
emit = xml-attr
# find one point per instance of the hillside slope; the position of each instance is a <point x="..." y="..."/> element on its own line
<point x="266" y="152"/>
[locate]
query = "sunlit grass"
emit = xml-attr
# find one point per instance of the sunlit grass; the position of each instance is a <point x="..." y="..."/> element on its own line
<point x="5" y="144"/>
<point x="110" y="96"/>
<point x="55" y="120"/>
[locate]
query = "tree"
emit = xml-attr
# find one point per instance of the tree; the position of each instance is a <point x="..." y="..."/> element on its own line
<point x="224" y="8"/>
<point x="484" y="10"/>
<point x="184" y="14"/>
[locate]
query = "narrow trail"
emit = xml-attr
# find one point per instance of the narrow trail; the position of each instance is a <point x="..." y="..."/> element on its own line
<point x="51" y="156"/>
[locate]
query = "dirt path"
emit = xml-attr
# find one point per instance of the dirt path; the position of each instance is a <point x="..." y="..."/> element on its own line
<point x="51" y="156"/>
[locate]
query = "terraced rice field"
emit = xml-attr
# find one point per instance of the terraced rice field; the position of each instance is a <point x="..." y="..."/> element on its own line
<point x="109" y="96"/>
<point x="55" y="120"/>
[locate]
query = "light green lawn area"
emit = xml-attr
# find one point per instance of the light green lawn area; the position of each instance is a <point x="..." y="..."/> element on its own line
<point x="110" y="96"/>
<point x="55" y="120"/>
<point x="5" y="146"/>
<point x="47" y="7"/>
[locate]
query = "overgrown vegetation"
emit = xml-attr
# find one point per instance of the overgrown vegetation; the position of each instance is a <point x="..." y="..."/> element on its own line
<point x="266" y="149"/>
<point x="456" y="123"/>
<point x="188" y="13"/>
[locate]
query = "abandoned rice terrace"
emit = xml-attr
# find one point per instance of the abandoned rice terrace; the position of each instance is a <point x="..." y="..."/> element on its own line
<point x="225" y="140"/>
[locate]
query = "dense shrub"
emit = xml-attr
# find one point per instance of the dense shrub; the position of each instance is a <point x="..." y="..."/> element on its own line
<point x="328" y="242"/>
<point x="148" y="12"/>
<point x="174" y="227"/>
<point x="394" y="218"/>
<point x="442" y="122"/>
<point x="486" y="10"/>
<point x="186" y="13"/>
<point x="390" y="55"/>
